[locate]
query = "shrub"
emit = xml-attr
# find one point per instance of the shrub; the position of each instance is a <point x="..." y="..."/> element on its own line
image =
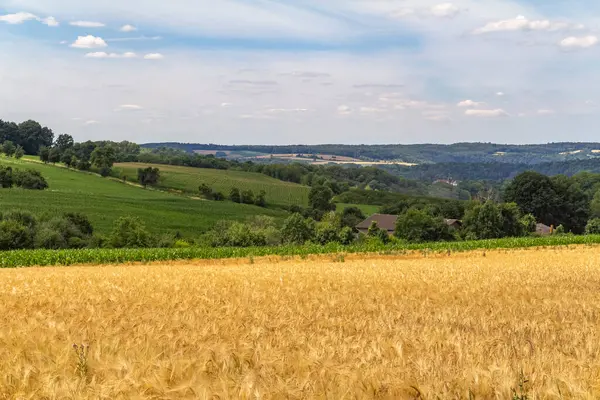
<point x="247" y="197"/>
<point x="352" y="216"/>
<point x="14" y="235"/>
<point x="6" y="177"/>
<point x="83" y="165"/>
<point x="148" y="176"/>
<point x="81" y="221"/>
<point x="560" y="230"/>
<point x="593" y="227"/>
<point x="319" y="198"/>
<point x="218" y="196"/>
<point x="30" y="179"/>
<point x="60" y="233"/>
<point x="19" y="152"/>
<point x="260" y="199"/>
<point x="529" y="223"/>
<point x="130" y="232"/>
<point x="235" y="196"/>
<point x="347" y="236"/>
<point x="8" y="148"/>
<point x="326" y="233"/>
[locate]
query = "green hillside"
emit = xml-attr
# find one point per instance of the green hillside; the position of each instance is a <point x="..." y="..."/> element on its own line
<point x="105" y="200"/>
<point x="188" y="180"/>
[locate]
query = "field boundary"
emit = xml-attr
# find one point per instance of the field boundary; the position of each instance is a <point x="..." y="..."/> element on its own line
<point x="41" y="258"/>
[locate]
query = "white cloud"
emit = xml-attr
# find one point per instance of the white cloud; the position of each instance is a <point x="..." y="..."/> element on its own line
<point x="87" y="24"/>
<point x="344" y="110"/>
<point x="469" y="103"/>
<point x="129" y="107"/>
<point x="578" y="42"/>
<point x="286" y="110"/>
<point x="154" y="56"/>
<point x="523" y="24"/>
<point x="500" y="94"/>
<point x="89" y="42"/>
<point x="225" y="105"/>
<point x="438" y="118"/>
<point x="545" y="112"/>
<point x="18" y="18"/>
<point x="91" y="122"/>
<point x="128" y="28"/>
<point x="102" y="54"/>
<point x="486" y="113"/>
<point x="445" y="10"/>
<point x="50" y="21"/>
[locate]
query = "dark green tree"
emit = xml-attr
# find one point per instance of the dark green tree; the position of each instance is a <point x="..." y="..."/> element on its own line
<point x="593" y="227"/>
<point x="19" y="152"/>
<point x="148" y="176"/>
<point x="33" y="136"/>
<point x="6" y="177"/>
<point x="64" y="142"/>
<point x="260" y="199"/>
<point x="421" y="226"/>
<point x="103" y="158"/>
<point x="352" y="216"/>
<point x="319" y="198"/>
<point x="68" y="158"/>
<point x="54" y="155"/>
<point x="44" y="154"/>
<point x="247" y="197"/>
<point x="297" y="230"/>
<point x="595" y="205"/>
<point x="130" y="232"/>
<point x="8" y="148"/>
<point x="235" y="196"/>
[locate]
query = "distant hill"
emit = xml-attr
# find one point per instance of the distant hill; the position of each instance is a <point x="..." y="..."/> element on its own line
<point x="417" y="153"/>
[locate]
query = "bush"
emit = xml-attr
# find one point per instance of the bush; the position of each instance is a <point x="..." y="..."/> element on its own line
<point x="8" y="148"/>
<point x="247" y="197"/>
<point x="235" y="196"/>
<point x="19" y="152"/>
<point x="529" y="223"/>
<point x="347" y="236"/>
<point x="30" y="179"/>
<point x="560" y="230"/>
<point x="14" y="235"/>
<point x="81" y="221"/>
<point x="83" y="165"/>
<point x="260" y="199"/>
<point x="420" y="226"/>
<point x="593" y="227"/>
<point x="6" y="177"/>
<point x="130" y="232"/>
<point x="61" y="233"/>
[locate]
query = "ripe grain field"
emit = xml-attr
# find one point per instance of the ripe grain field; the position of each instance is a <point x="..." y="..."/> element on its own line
<point x="449" y="326"/>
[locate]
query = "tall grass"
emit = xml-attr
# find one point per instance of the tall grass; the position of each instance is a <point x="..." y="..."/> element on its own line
<point x="26" y="258"/>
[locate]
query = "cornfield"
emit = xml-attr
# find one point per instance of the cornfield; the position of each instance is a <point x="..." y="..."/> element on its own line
<point x="27" y="258"/>
<point x="486" y="324"/>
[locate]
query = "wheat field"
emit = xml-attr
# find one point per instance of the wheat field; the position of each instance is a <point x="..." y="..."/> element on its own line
<point x="450" y="326"/>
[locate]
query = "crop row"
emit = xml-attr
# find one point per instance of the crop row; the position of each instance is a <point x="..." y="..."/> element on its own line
<point x="28" y="258"/>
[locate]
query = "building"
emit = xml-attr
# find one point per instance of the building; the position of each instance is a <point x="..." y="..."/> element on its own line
<point x="384" y="221"/>
<point x="543" y="230"/>
<point x="453" y="223"/>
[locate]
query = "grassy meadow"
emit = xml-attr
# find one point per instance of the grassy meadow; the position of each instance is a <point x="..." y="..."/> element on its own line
<point x="367" y="209"/>
<point x="104" y="200"/>
<point x="470" y="325"/>
<point x="187" y="179"/>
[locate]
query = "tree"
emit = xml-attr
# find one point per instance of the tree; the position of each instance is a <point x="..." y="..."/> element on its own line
<point x="512" y="225"/>
<point x="44" y="154"/>
<point x="54" y="155"/>
<point x="235" y="196"/>
<point x="148" y="176"/>
<point x="593" y="227"/>
<point x="247" y="197"/>
<point x="205" y="191"/>
<point x="483" y="222"/>
<point x="297" y="230"/>
<point x="19" y="152"/>
<point x="103" y="158"/>
<point x="573" y="208"/>
<point x="129" y="232"/>
<point x="319" y="198"/>
<point x="8" y="148"/>
<point x="30" y="179"/>
<point x="14" y="235"/>
<point x="595" y="205"/>
<point x="68" y="158"/>
<point x="421" y="226"/>
<point x="33" y="136"/>
<point x="64" y="142"/>
<point x="529" y="223"/>
<point x="352" y="216"/>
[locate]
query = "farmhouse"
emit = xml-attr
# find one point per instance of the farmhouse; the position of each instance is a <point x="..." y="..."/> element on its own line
<point x="388" y="222"/>
<point x="384" y="221"/>
<point x="543" y="230"/>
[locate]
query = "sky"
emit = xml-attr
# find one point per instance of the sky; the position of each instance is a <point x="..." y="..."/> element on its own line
<point x="304" y="71"/>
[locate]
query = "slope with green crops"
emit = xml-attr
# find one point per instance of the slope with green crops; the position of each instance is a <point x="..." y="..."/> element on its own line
<point x="187" y="179"/>
<point x="104" y="200"/>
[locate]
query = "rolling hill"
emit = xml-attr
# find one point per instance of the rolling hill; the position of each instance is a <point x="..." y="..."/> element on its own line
<point x="105" y="200"/>
<point x="187" y="180"/>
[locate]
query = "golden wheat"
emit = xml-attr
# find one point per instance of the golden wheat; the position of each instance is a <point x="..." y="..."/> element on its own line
<point x="459" y="326"/>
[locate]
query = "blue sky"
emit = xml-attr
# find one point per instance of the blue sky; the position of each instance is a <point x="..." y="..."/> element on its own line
<point x="303" y="71"/>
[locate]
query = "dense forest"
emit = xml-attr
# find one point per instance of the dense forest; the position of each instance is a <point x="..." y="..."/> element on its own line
<point x="420" y="153"/>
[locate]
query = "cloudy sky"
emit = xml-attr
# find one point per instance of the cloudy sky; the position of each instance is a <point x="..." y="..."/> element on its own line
<point x="304" y="71"/>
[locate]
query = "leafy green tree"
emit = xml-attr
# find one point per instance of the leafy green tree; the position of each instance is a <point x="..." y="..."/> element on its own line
<point x="512" y="225"/>
<point x="205" y="191"/>
<point x="235" y="195"/>
<point x="54" y="155"/>
<point x="103" y="158"/>
<point x="44" y="154"/>
<point x="483" y="222"/>
<point x="218" y="196"/>
<point x="6" y="177"/>
<point x="247" y="197"/>
<point x="535" y="194"/>
<point x="593" y="227"/>
<point x="595" y="205"/>
<point x="528" y="223"/>
<point x="148" y="176"/>
<point x="14" y="235"/>
<point x="81" y="221"/>
<point x="421" y="226"/>
<point x="373" y="229"/>
<point x="130" y="232"/>
<point x="573" y="209"/>
<point x="8" y="148"/>
<point x="297" y="230"/>
<point x="19" y="152"/>
<point x="319" y="198"/>
<point x="64" y="142"/>
<point x="33" y="136"/>
<point x="347" y="236"/>
<point x="352" y="216"/>
<point x="68" y="158"/>
<point x="560" y="230"/>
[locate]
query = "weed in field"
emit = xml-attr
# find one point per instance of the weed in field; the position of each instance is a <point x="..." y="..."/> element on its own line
<point x="82" y="368"/>
<point x="520" y="393"/>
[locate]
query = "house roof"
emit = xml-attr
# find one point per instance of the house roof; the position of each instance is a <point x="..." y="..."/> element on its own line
<point x="384" y="221"/>
<point x="451" y="222"/>
<point x="543" y="229"/>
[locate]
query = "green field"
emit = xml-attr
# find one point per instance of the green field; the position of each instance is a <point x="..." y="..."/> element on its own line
<point x="104" y="200"/>
<point x="367" y="209"/>
<point x="187" y="179"/>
